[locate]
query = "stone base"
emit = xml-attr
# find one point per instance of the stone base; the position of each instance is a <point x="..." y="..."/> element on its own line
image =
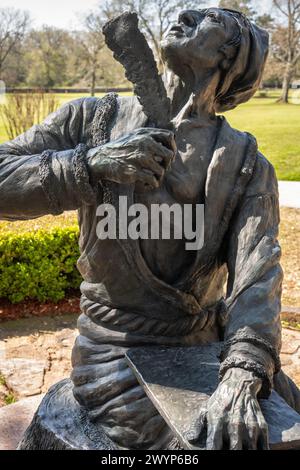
<point x="61" y="424"/>
<point x="14" y="420"/>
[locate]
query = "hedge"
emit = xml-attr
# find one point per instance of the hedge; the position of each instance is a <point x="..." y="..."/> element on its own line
<point x="39" y="265"/>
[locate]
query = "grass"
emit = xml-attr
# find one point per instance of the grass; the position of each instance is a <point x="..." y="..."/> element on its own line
<point x="276" y="127"/>
<point x="10" y="399"/>
<point x="294" y="325"/>
<point x="289" y="238"/>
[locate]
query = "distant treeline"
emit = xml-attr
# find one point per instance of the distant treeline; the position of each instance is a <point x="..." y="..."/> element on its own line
<point x="68" y="90"/>
<point x="56" y="58"/>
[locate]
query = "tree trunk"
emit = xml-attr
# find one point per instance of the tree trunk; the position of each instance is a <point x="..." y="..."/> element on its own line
<point x="93" y="83"/>
<point x="286" y="84"/>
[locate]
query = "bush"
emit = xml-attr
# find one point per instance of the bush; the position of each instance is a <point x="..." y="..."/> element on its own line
<point x="262" y="93"/>
<point x="39" y="265"/>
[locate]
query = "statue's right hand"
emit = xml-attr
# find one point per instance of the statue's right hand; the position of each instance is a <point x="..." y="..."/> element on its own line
<point x="143" y="157"/>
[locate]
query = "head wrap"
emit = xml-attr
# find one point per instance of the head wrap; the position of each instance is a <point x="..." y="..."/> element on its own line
<point x="242" y="80"/>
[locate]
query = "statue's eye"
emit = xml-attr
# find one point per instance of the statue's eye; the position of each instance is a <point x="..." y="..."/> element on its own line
<point x="213" y="17"/>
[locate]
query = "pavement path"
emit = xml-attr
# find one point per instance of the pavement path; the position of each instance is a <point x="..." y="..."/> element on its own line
<point x="289" y="193"/>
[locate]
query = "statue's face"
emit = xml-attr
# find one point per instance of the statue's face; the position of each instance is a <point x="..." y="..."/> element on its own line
<point x="195" y="41"/>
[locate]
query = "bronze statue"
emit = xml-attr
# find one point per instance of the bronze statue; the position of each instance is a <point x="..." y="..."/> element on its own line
<point x="166" y="144"/>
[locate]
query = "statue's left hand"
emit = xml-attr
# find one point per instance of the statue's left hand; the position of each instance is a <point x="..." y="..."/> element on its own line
<point x="234" y="418"/>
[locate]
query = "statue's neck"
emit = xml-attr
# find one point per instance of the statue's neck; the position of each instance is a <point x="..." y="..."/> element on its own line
<point x="192" y="97"/>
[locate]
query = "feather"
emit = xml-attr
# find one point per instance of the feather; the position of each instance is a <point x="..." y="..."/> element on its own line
<point x="131" y="49"/>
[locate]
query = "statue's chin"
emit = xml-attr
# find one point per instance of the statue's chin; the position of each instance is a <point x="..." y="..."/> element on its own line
<point x="171" y="43"/>
<point x="171" y="50"/>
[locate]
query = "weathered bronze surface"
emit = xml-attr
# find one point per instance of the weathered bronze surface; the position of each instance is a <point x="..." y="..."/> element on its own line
<point x="180" y="381"/>
<point x="165" y="145"/>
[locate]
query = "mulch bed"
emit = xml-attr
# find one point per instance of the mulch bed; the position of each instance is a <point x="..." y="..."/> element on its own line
<point x="34" y="308"/>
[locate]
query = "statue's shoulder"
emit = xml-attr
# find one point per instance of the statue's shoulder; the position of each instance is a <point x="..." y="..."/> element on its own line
<point x="129" y="116"/>
<point x="264" y="179"/>
<point x="129" y="104"/>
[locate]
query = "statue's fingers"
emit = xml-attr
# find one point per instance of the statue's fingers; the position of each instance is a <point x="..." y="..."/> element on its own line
<point x="214" y="439"/>
<point x="202" y="420"/>
<point x="263" y="430"/>
<point x="151" y="164"/>
<point x="263" y="437"/>
<point x="263" y="441"/>
<point x="252" y="425"/>
<point x="160" y="153"/>
<point x="147" y="178"/>
<point x="195" y="432"/>
<point x="128" y="174"/>
<point x="165" y="137"/>
<point x="236" y="435"/>
<point x="253" y="433"/>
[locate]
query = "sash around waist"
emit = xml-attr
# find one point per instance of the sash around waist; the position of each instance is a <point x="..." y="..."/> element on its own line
<point x="104" y="323"/>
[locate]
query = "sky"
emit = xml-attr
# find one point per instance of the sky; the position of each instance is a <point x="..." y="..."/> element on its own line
<point x="59" y="13"/>
<point x="66" y="13"/>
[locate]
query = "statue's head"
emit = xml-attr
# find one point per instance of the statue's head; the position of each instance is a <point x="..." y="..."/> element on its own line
<point x="220" y="40"/>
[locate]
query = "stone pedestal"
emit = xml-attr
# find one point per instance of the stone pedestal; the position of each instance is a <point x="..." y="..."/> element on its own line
<point x="15" y="419"/>
<point x="178" y="381"/>
<point x="61" y="424"/>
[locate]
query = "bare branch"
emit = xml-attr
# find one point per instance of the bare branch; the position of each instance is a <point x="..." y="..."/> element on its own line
<point x="13" y="27"/>
<point x="279" y="7"/>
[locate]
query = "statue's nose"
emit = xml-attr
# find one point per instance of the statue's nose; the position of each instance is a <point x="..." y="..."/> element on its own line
<point x="188" y="18"/>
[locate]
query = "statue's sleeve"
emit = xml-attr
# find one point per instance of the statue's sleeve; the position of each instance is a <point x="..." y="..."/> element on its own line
<point x="44" y="171"/>
<point x="253" y="330"/>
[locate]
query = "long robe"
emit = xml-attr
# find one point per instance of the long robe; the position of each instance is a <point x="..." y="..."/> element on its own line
<point x="123" y="302"/>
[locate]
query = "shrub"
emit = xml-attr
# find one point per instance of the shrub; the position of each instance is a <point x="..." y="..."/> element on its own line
<point x="39" y="265"/>
<point x="263" y="93"/>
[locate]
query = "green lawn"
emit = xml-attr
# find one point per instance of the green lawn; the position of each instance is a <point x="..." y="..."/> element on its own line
<point x="276" y="127"/>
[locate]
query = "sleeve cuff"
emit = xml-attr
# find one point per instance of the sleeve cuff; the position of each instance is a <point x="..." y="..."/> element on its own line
<point x="65" y="179"/>
<point x="82" y="178"/>
<point x="251" y="352"/>
<point x="251" y="366"/>
<point x="47" y="177"/>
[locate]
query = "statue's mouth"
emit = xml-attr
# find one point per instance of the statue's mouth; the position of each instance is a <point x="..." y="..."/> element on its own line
<point x="176" y="30"/>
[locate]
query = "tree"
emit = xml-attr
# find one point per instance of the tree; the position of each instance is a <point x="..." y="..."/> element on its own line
<point x="96" y="61"/>
<point x="13" y="27"/>
<point x="286" y="42"/>
<point x="92" y="41"/>
<point x="273" y="73"/>
<point x="47" y="57"/>
<point x="244" y="6"/>
<point x="155" y="15"/>
<point x="265" y="21"/>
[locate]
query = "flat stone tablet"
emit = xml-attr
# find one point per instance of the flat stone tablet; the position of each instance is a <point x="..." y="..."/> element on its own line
<point x="179" y="382"/>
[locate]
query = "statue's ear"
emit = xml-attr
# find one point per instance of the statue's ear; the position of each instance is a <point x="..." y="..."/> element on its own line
<point x="229" y="52"/>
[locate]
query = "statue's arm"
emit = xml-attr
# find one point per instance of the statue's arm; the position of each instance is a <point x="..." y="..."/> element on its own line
<point x="253" y="331"/>
<point x="43" y="171"/>
<point x="53" y="167"/>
